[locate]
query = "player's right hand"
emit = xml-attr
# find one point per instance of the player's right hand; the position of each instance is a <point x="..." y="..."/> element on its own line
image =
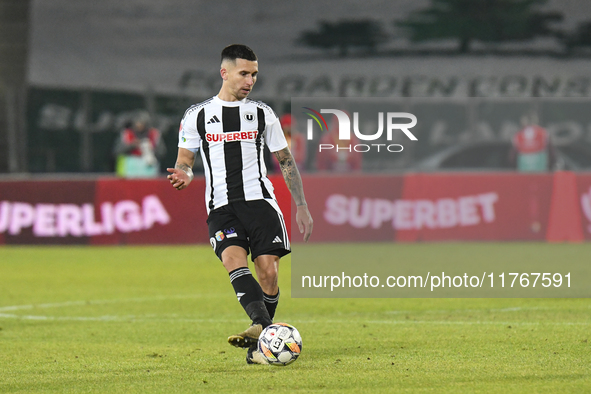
<point x="178" y="178"/>
<point x="304" y="221"/>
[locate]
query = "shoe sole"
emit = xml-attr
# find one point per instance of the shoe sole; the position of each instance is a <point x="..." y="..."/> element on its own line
<point x="239" y="341"/>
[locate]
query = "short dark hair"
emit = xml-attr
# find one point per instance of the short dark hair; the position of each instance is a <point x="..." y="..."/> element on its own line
<point x="238" y="51"/>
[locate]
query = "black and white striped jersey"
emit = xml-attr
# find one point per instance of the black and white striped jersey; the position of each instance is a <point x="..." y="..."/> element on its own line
<point x="231" y="137"/>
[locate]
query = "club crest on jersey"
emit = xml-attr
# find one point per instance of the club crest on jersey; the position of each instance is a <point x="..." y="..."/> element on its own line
<point x="249" y="116"/>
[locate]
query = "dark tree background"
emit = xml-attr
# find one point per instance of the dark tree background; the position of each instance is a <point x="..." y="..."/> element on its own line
<point x="345" y="35"/>
<point x="491" y="21"/>
<point x="580" y="37"/>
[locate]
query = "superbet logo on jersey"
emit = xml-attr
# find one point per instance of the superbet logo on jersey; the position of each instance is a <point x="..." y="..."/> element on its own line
<point x="344" y="130"/>
<point x="232" y="136"/>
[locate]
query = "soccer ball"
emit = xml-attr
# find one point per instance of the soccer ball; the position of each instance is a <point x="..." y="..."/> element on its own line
<point x="280" y="344"/>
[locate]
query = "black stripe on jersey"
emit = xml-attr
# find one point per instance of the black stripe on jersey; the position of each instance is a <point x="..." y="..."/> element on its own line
<point x="233" y="155"/>
<point x="231" y="119"/>
<point x="205" y="148"/>
<point x="259" y="145"/>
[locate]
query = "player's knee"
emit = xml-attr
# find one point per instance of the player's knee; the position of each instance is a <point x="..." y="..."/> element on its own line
<point x="231" y="264"/>
<point x="234" y="258"/>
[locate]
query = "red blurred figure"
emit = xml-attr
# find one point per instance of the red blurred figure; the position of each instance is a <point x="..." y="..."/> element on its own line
<point x="532" y="149"/>
<point x="138" y="148"/>
<point x="138" y="131"/>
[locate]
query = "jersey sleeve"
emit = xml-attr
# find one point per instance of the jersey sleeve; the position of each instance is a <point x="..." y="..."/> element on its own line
<point x="189" y="138"/>
<point x="273" y="134"/>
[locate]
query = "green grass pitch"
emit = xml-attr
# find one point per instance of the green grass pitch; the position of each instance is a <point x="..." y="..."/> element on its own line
<point x="156" y="319"/>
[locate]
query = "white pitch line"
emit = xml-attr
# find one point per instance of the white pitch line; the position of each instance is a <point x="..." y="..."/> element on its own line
<point x="97" y="302"/>
<point x="134" y="318"/>
<point x="511" y="309"/>
<point x="514" y="309"/>
<point x="142" y="319"/>
<point x="478" y="322"/>
<point x="109" y="318"/>
<point x="448" y="322"/>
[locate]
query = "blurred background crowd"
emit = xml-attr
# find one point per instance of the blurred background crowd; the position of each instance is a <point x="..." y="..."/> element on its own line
<point x="100" y="87"/>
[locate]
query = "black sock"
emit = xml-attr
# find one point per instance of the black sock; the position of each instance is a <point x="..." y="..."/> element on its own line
<point x="249" y="293"/>
<point x="271" y="303"/>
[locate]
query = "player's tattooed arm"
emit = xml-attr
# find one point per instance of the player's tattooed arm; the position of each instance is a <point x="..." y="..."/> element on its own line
<point x="292" y="177"/>
<point x="293" y="180"/>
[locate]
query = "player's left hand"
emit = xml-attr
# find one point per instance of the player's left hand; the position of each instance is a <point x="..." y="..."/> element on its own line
<point x="178" y="178"/>
<point x="304" y="221"/>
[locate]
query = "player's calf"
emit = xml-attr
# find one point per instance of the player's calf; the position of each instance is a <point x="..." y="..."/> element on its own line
<point x="250" y="295"/>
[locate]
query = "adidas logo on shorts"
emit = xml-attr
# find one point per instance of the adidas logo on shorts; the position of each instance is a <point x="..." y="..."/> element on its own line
<point x="277" y="240"/>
